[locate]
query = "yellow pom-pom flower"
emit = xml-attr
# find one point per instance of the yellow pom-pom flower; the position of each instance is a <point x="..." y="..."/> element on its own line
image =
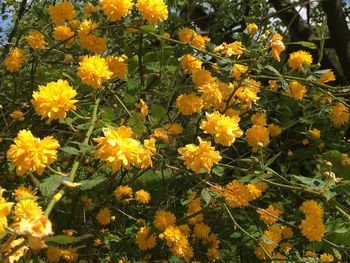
<point x="31" y="154"/>
<point x="298" y="59"/>
<point x="153" y="10"/>
<point x="17" y="115"/>
<point x="14" y="60"/>
<point x="36" y="40"/>
<point x="327" y="77"/>
<point x="186" y="35"/>
<point x="61" y="11"/>
<point x="201" y="77"/>
<point x="274" y="130"/>
<point x="252" y="28"/>
<point x="118" y="66"/>
<point x="190" y="63"/>
<point x="116" y="9"/>
<point x="173" y="129"/>
<point x="269" y="215"/>
<point x="163" y="219"/>
<point x="104" y="216"/>
<point x="225" y="129"/>
<point x="199" y="157"/>
<point x="26" y="209"/>
<point x="189" y="104"/>
<point x="258" y="119"/>
<point x="64" y="33"/>
<point x="339" y="115"/>
<point x="117" y="148"/>
<point x="312" y="228"/>
<point x="145" y="240"/>
<point x="297" y="90"/>
<point x="123" y="192"/>
<point x="142" y="196"/>
<point x="94" y="71"/>
<point x="257" y="137"/>
<point x="54" y="100"/>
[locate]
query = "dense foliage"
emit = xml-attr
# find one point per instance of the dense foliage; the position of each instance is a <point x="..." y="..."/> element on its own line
<point x="169" y="131"/>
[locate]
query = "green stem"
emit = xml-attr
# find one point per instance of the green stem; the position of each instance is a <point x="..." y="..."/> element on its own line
<point x="57" y="197"/>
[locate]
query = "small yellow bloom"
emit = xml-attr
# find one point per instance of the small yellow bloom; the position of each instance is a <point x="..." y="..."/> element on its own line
<point x="173" y="128"/>
<point x="277" y="46"/>
<point x="118" y="66"/>
<point x="163" y="219"/>
<point x="298" y="59"/>
<point x="153" y="10"/>
<point x="189" y="104"/>
<point x="36" y="40"/>
<point x="94" y="71"/>
<point x="190" y="63"/>
<point x="14" y="60"/>
<point x="257" y="137"/>
<point x="104" y="216"/>
<point x="64" y="33"/>
<point x="201" y="157"/>
<point x="142" y="196"/>
<point x="116" y="9"/>
<point x="17" y="115"/>
<point x="297" y="90"/>
<point x="339" y="115"/>
<point x="61" y="11"/>
<point x="252" y="28"/>
<point x="327" y="77"/>
<point x="315" y="133"/>
<point x="144" y="239"/>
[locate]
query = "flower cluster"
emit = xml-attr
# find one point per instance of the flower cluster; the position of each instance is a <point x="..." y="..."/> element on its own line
<point x="312" y="226"/>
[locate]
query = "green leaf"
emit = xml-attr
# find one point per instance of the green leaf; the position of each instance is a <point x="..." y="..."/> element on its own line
<point x="70" y="150"/>
<point x="311" y="182"/>
<point x="91" y="183"/>
<point x="304" y="44"/>
<point x="108" y="114"/>
<point x="205" y="194"/>
<point x="63" y="239"/>
<point x="50" y="184"/>
<point x="136" y="124"/>
<point x="149" y="28"/>
<point x="340" y="238"/>
<point x="272" y="69"/>
<point x="158" y="112"/>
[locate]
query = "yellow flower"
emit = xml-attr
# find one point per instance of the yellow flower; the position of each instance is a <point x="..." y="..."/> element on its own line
<point x="144" y="240"/>
<point x="201" y="157"/>
<point x="94" y="71"/>
<point x="68" y="58"/>
<point x="26" y="209"/>
<point x="31" y="154"/>
<point x="161" y="134"/>
<point x="123" y="191"/>
<point x="117" y="148"/>
<point x="298" y="59"/>
<point x="201" y="77"/>
<point x="36" y="40"/>
<point x="252" y="28"/>
<point x="93" y="43"/>
<point x="86" y="27"/>
<point x="211" y="94"/>
<point x="225" y="129"/>
<point x="145" y="153"/>
<point x="189" y="104"/>
<point x="70" y="254"/>
<point x="201" y="231"/>
<point x="116" y="9"/>
<point x="237" y="70"/>
<point x="104" y="216"/>
<point x="173" y="128"/>
<point x="274" y="130"/>
<point x="258" y="119"/>
<point x="17" y="115"/>
<point x="326" y="257"/>
<point x="297" y="90"/>
<point x="186" y="35"/>
<point x="143" y="108"/>
<point x="339" y="115"/>
<point x="286" y="247"/>
<point x="327" y="77"/>
<point x="310" y="254"/>
<point x="14" y="60"/>
<point x="257" y="137"/>
<point x="247" y="93"/>
<point x="312" y="208"/>
<point x="236" y="194"/>
<point x="54" y="254"/>
<point x="23" y="192"/>
<point x="153" y="10"/>
<point x="312" y="228"/>
<point x="190" y="63"/>
<point x="198" y="41"/>
<point x="228" y="50"/>
<point x="163" y="219"/>
<point x="287" y="232"/>
<point x="273" y="85"/>
<point x="270" y="215"/>
<point x="344" y="159"/>
<point x="142" y="196"/>
<point x="277" y="46"/>
<point x="213" y="254"/>
<point x="61" y="11"/>
<point x="20" y="252"/>
<point x="271" y="238"/>
<point x="118" y="66"/>
<point x="69" y="232"/>
<point x="315" y="133"/>
<point x="54" y="100"/>
<point x="64" y="33"/>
